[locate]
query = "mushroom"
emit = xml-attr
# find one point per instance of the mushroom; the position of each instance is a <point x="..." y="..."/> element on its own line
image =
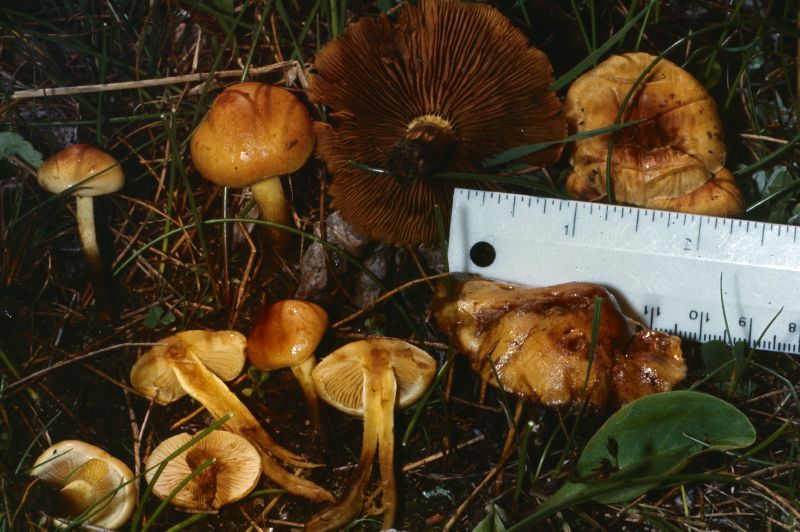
<point x="285" y="335"/>
<point x="535" y="342"/>
<point x="232" y="475"/>
<point x="370" y="378"/>
<point x="220" y="351"/>
<point x="253" y="134"/>
<point x="205" y="387"/>
<point x="85" y="172"/>
<point x="673" y="160"/>
<point x="94" y="485"/>
<point x="442" y="89"/>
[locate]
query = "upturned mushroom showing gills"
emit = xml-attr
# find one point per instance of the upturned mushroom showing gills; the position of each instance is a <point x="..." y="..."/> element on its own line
<point x="231" y="472"/>
<point x="191" y="374"/>
<point x="95" y="487"/>
<point x="673" y="160"/>
<point x="86" y="172"/>
<point x="537" y="341"/>
<point x="370" y="378"/>
<point x="446" y="86"/>
<point x="285" y="335"/>
<point x="253" y="134"/>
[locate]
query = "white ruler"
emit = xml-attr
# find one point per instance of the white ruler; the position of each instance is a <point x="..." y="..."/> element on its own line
<point x="664" y="267"/>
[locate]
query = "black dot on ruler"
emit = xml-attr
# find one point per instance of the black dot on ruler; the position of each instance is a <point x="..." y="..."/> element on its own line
<point x="482" y="254"/>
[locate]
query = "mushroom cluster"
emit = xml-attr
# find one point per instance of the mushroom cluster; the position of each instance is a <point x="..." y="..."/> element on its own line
<point x="536" y="342"/>
<point x="446" y="86"/>
<point x="95" y="487"/>
<point x="193" y="362"/>
<point x="673" y="160"/>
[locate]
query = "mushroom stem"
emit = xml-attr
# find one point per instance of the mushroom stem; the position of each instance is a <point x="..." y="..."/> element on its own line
<point x="207" y="389"/>
<point x="349" y="505"/>
<point x="84" y="213"/>
<point x="302" y="372"/>
<point x="272" y="207"/>
<point x="386" y="446"/>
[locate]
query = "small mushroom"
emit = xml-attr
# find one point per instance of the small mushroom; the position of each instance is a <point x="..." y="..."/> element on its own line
<point x="206" y="388"/>
<point x="253" y="134"/>
<point x="536" y="342"/>
<point x="220" y="351"/>
<point x="232" y="475"/>
<point x="673" y="160"/>
<point x="86" y="172"/>
<point x="92" y="483"/>
<point x="370" y="378"/>
<point x="285" y="334"/>
<point x="420" y="96"/>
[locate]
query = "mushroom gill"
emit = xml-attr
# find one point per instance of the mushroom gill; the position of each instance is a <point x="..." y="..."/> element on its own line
<point x="537" y="342"/>
<point x="446" y="86"/>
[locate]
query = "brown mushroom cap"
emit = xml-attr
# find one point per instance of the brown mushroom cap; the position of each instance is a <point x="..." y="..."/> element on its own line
<point x="233" y="475"/>
<point x="454" y="80"/>
<point x="286" y="334"/>
<point x="86" y="475"/>
<point x="664" y="162"/>
<point x="97" y="172"/>
<point x="537" y="342"/>
<point x="221" y="351"/>
<point x="252" y="131"/>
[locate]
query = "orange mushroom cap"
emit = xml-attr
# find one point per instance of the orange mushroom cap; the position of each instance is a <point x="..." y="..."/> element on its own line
<point x="252" y="131"/>
<point x="673" y="160"/>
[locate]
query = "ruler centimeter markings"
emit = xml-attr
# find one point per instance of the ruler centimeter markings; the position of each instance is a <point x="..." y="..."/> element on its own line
<point x="665" y="268"/>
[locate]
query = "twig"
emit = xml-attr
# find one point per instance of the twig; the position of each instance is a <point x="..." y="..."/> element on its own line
<point x="42" y="372"/>
<point x="157" y="82"/>
<point x="437" y="456"/>
<point x="387" y="295"/>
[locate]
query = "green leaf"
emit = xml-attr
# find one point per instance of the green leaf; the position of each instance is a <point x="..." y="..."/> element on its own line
<point x="12" y="144"/>
<point x="718" y="361"/>
<point x="493" y="522"/>
<point x="652" y="438"/>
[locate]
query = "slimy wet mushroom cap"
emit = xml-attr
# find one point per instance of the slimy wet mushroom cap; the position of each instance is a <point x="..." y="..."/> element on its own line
<point x="448" y="85"/>
<point x="674" y="160"/>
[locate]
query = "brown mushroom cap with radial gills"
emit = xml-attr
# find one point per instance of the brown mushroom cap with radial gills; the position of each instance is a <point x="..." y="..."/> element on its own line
<point x="673" y="160"/>
<point x="371" y="378"/>
<point x="232" y="475"/>
<point x="90" y="480"/>
<point x="88" y="172"/>
<point x="205" y="387"/>
<point x="285" y="335"/>
<point x="447" y="86"/>
<point x="253" y="134"/>
<point x="537" y="342"/>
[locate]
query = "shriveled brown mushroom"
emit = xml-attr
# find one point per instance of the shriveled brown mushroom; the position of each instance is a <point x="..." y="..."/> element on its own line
<point x="537" y="341"/>
<point x="86" y="172"/>
<point x="445" y="87"/>
<point x="253" y="134"/>
<point x="370" y="378"/>
<point x="674" y="160"/>
<point x="92" y="483"/>
<point x="233" y="473"/>
<point x="205" y="387"/>
<point x="285" y="335"/>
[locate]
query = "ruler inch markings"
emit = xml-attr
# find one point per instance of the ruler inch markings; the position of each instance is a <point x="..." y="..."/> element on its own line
<point x="643" y="261"/>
